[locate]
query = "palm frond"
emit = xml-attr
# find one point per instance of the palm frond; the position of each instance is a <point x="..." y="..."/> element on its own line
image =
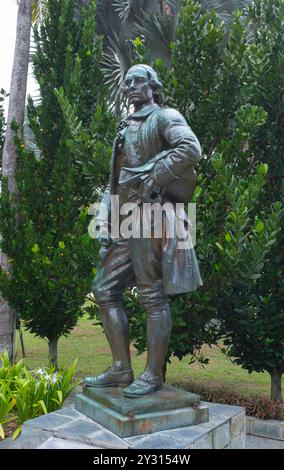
<point x="116" y="61"/>
<point x="40" y="9"/>
<point x="30" y="140"/>
<point x="224" y="7"/>
<point x="36" y="96"/>
<point x="108" y="22"/>
<point x="154" y="21"/>
<point x="158" y="32"/>
<point x="129" y="10"/>
<point x="152" y="28"/>
<point x="123" y="9"/>
<point x="174" y="5"/>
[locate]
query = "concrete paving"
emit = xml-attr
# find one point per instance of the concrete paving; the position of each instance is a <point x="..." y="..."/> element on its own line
<point x="254" y="442"/>
<point x="56" y="443"/>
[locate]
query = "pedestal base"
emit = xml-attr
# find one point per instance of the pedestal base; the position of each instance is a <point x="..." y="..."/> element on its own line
<point x="169" y="408"/>
<point x="69" y="429"/>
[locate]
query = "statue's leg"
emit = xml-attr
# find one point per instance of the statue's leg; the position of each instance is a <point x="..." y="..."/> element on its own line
<point x="159" y="327"/>
<point x="146" y="260"/>
<point x="114" y="275"/>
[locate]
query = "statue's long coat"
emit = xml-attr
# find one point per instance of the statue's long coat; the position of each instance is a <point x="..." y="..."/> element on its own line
<point x="169" y="149"/>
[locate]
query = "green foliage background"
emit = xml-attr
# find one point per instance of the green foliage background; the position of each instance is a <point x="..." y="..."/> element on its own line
<point x="44" y="230"/>
<point x="228" y="83"/>
<point x="227" y="80"/>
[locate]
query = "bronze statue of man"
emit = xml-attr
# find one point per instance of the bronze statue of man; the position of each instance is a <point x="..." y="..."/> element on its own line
<point x="156" y="146"/>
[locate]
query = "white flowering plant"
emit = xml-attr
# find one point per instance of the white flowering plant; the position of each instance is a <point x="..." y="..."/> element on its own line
<point x="26" y="394"/>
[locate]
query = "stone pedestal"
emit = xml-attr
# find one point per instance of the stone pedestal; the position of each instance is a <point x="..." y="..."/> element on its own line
<point x="166" y="409"/>
<point x="69" y="429"/>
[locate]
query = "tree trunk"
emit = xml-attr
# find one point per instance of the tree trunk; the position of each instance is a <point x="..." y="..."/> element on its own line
<point x="52" y="351"/>
<point x="21" y="332"/>
<point x="165" y="371"/>
<point x="7" y="329"/>
<point x="276" y="386"/>
<point x="16" y="112"/>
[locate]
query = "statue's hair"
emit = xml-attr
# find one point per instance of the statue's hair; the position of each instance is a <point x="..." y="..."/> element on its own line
<point x="154" y="82"/>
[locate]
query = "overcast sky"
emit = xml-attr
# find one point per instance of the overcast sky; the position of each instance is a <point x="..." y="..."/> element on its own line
<point x="8" y="20"/>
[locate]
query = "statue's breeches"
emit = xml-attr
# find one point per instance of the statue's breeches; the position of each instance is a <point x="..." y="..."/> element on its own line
<point x="128" y="263"/>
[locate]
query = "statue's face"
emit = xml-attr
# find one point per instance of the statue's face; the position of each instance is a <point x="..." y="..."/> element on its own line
<point x="137" y="85"/>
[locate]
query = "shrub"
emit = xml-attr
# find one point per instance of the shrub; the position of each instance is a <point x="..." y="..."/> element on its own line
<point x="26" y="394"/>
<point x="51" y="255"/>
<point x="227" y="81"/>
<point x="257" y="406"/>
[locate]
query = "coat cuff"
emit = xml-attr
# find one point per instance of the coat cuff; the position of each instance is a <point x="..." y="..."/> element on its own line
<point x="162" y="174"/>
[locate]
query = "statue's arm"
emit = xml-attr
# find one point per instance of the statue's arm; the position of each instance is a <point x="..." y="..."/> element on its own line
<point x="181" y="151"/>
<point x="105" y="199"/>
<point x="102" y="216"/>
<point x="184" y="148"/>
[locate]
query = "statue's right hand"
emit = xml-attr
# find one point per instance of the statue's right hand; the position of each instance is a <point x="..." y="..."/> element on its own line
<point x="105" y="240"/>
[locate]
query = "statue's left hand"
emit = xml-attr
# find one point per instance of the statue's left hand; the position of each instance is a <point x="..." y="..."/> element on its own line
<point x="148" y="190"/>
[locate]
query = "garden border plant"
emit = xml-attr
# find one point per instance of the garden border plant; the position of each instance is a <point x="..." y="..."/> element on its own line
<point x="26" y="394"/>
<point x="256" y="406"/>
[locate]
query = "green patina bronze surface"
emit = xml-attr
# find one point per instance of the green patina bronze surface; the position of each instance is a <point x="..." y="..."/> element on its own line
<point x="143" y="423"/>
<point x="168" y="398"/>
<point x="153" y="160"/>
<point x="154" y="156"/>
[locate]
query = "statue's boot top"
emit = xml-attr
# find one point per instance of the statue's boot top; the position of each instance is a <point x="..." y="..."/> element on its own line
<point x="146" y="383"/>
<point x="112" y="377"/>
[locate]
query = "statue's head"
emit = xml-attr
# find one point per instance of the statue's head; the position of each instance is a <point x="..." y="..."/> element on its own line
<point x="141" y="83"/>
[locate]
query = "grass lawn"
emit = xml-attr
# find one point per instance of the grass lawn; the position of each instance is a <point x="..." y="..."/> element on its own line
<point x="88" y="343"/>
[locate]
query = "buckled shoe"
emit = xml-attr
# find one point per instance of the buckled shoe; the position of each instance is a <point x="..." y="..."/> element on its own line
<point x="112" y="377"/>
<point x="146" y="383"/>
